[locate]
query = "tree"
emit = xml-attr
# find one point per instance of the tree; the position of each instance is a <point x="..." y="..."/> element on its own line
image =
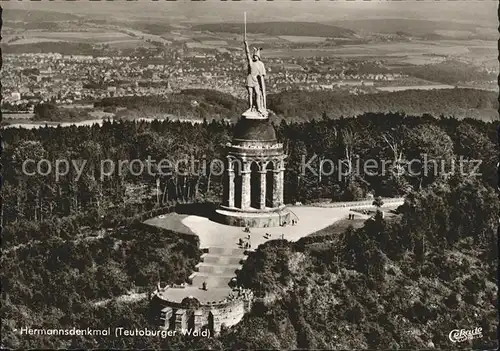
<point x="47" y="112"/>
<point x="476" y="146"/>
<point x="432" y="147"/>
<point x="29" y="163"/>
<point x="378" y="202"/>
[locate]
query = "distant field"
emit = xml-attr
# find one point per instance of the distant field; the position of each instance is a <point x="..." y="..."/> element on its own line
<point x="455" y="33"/>
<point x="34" y="41"/>
<point x="279" y="28"/>
<point x="127" y="44"/>
<point x="202" y="37"/>
<point x="87" y="36"/>
<point x="410" y="50"/>
<point x="415" y="87"/>
<point x="192" y="45"/>
<point x="406" y="48"/>
<point x="471" y="43"/>
<point x="422" y="60"/>
<point x="302" y="39"/>
<point x="417" y="27"/>
<point x="176" y="37"/>
<point x="215" y="42"/>
<point x="77" y="35"/>
<point x="482" y="55"/>
<point x="14" y="15"/>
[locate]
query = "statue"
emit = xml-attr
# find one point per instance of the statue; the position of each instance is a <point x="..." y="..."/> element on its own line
<point x="255" y="83"/>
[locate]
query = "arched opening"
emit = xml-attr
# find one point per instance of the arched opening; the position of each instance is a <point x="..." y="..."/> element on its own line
<point x="211" y="323"/>
<point x="254" y="185"/>
<point x="190" y="321"/>
<point x="171" y="322"/>
<point x="237" y="183"/>
<point x="270" y="184"/>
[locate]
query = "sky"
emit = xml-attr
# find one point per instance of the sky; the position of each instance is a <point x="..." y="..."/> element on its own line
<point x="471" y="11"/>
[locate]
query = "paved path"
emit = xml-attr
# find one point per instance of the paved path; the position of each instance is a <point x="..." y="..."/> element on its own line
<point x="311" y="219"/>
<point x="224" y="257"/>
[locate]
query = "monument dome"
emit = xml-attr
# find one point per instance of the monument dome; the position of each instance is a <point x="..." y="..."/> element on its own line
<point x="254" y="129"/>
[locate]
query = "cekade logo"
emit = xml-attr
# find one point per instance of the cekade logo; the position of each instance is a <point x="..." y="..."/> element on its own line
<point x="460" y="335"/>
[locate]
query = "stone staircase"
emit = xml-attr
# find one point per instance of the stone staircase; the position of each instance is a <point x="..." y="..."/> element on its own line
<point x="222" y="260"/>
<point x="226" y="251"/>
<point x="217" y="267"/>
<point x="212" y="280"/>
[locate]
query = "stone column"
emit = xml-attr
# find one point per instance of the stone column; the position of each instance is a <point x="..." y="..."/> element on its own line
<point x="198" y="320"/>
<point x="245" y="186"/>
<point x="180" y="319"/>
<point x="230" y="193"/>
<point x="276" y="190"/>
<point x="281" y="185"/>
<point x="166" y="314"/>
<point x="262" y="189"/>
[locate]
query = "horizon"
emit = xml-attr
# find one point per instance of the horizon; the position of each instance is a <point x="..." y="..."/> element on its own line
<point x="214" y="11"/>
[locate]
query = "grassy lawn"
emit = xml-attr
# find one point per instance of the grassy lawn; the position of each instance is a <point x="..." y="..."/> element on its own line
<point x="340" y="226"/>
<point x="171" y="221"/>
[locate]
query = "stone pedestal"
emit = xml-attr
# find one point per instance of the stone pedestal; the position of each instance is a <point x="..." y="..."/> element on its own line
<point x="254" y="114"/>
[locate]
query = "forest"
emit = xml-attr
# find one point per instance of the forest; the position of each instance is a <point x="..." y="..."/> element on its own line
<point x="450" y="72"/>
<point x="71" y="241"/>
<point x="292" y="105"/>
<point x="401" y="284"/>
<point x="302" y="106"/>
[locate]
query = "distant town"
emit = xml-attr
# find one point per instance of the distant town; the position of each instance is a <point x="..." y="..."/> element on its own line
<point x="73" y="61"/>
<point x="33" y="78"/>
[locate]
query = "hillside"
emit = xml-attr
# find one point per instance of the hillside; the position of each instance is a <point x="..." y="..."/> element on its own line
<point x="62" y="47"/>
<point x="416" y="27"/>
<point x="280" y="28"/>
<point x="441" y="270"/>
<point x="449" y="72"/>
<point x="362" y="290"/>
<point x="65" y="279"/>
<point x="303" y="106"/>
<point x="31" y="16"/>
<point x="459" y="103"/>
<point x="189" y="103"/>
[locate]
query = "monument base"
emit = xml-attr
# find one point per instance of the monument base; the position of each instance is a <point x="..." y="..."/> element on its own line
<point x="254" y="114"/>
<point x="253" y="218"/>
